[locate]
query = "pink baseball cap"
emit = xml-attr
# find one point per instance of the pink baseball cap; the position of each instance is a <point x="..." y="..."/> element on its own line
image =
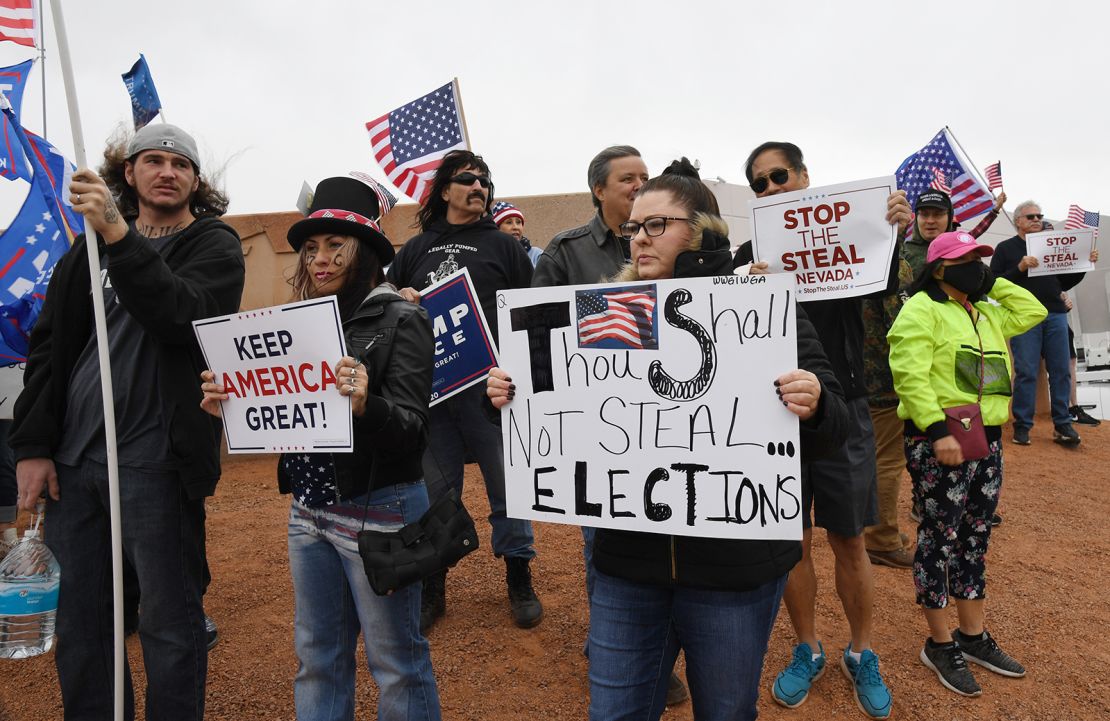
<point x="954" y="244"/>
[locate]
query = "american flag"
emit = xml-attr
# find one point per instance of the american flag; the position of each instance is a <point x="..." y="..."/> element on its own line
<point x="386" y="199"/>
<point x="617" y="317"/>
<point x="939" y="181"/>
<point x="1079" y="218"/>
<point x="17" y="22"/>
<point x="994" y="176"/>
<point x="917" y="172"/>
<point x="410" y="142"/>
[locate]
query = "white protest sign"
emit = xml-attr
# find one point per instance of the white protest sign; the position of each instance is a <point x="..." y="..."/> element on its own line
<point x="277" y="365"/>
<point x="1061" y="251"/>
<point x="651" y="406"/>
<point x="11" y="385"/>
<point x="834" y="241"/>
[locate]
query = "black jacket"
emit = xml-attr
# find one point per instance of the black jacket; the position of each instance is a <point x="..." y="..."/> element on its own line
<point x="198" y="275"/>
<point x="715" y="563"/>
<point x="393" y="339"/>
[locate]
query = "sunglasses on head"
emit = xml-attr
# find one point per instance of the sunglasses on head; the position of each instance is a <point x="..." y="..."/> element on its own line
<point x="1033" y="216"/>
<point x="469" y="178"/>
<point x="778" y="176"/>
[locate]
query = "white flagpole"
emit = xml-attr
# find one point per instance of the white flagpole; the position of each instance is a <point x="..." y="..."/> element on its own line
<point x="42" y="65"/>
<point x="106" y="395"/>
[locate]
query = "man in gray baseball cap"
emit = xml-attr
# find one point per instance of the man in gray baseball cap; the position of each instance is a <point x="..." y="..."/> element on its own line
<point x="168" y="260"/>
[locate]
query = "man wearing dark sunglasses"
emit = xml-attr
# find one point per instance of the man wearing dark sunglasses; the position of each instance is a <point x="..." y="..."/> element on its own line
<point x="458" y="232"/>
<point x="1049" y="339"/>
<point x="841" y="489"/>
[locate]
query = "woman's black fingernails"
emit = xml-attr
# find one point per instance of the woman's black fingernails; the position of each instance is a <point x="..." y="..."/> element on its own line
<point x="776" y="383"/>
<point x="512" y="387"/>
<point x="509" y="379"/>
<point x="779" y="392"/>
<point x="786" y="404"/>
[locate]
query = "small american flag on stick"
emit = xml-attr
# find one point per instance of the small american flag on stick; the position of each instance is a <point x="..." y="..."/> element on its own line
<point x="994" y="176"/>
<point x="410" y="142"/>
<point x="617" y="317"/>
<point x="1079" y="218"/>
<point x="939" y="181"/>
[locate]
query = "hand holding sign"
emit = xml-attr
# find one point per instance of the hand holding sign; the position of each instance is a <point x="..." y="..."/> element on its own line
<point x="1060" y="251"/>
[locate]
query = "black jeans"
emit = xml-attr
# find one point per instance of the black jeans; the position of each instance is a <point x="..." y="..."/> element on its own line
<point x="163" y="538"/>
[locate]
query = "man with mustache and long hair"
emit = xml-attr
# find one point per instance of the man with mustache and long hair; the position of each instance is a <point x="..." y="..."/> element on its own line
<point x="458" y="232"/>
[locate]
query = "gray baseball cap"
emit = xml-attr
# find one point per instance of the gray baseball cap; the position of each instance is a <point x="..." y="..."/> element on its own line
<point x="161" y="136"/>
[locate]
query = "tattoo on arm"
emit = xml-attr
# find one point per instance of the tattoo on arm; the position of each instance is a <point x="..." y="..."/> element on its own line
<point x="111" y="215"/>
<point x="158" y="231"/>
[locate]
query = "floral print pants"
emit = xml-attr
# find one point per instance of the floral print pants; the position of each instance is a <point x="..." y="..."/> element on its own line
<point x="957" y="503"/>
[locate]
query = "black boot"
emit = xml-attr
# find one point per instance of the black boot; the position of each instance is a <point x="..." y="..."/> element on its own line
<point x="526" y="607"/>
<point x="433" y="600"/>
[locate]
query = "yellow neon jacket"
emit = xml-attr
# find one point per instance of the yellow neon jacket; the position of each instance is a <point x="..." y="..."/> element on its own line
<point x="934" y="353"/>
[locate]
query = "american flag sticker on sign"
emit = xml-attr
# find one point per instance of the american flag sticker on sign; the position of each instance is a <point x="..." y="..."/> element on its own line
<point x="618" y="318"/>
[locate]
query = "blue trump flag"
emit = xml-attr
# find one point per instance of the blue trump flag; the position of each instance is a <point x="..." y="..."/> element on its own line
<point x="41" y="233"/>
<point x="144" y="96"/>
<point x="12" y="81"/>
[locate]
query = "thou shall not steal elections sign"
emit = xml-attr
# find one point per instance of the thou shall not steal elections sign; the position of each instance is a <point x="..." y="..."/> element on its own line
<point x="834" y="241"/>
<point x="1061" y="251"/>
<point x="277" y="366"/>
<point x="651" y="406"/>
<point x="464" y="350"/>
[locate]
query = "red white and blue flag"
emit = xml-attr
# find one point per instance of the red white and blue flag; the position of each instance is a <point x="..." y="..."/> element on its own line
<point x="1079" y="218"/>
<point x="39" y="235"/>
<point x="939" y="181"/>
<point x="617" y="317"/>
<point x="17" y="22"/>
<point x="994" y="176"/>
<point x="918" y="172"/>
<point x="410" y="142"/>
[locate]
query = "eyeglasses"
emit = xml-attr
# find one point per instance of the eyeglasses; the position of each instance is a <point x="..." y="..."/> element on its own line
<point x="652" y="226"/>
<point x="1033" y="216"/>
<point x="778" y="176"/>
<point x="469" y="178"/>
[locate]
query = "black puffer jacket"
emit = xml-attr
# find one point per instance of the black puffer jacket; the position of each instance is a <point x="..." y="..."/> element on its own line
<point x="393" y="339"/>
<point x="714" y="563"/>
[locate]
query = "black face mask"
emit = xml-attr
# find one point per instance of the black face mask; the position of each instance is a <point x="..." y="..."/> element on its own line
<point x="965" y="277"/>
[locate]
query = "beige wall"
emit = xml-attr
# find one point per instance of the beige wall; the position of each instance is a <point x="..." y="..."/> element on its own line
<point x="270" y="260"/>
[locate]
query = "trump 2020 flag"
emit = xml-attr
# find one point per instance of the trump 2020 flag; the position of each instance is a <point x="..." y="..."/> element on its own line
<point x="917" y="172"/>
<point x="41" y="233"/>
<point x="410" y="142"/>
<point x="13" y="79"/>
<point x="144" y="96"/>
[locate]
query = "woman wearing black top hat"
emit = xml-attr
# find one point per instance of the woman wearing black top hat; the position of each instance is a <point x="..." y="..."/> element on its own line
<point x="387" y="373"/>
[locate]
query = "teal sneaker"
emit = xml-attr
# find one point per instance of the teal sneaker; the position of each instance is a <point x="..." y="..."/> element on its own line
<point x="791" y="687"/>
<point x="872" y="695"/>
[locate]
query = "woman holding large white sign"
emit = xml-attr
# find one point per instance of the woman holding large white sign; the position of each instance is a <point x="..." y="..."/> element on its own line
<point x="951" y="371"/>
<point x="716" y="599"/>
<point x="387" y="374"/>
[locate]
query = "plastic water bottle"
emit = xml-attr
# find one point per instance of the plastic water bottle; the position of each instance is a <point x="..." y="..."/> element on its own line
<point x="28" y="597"/>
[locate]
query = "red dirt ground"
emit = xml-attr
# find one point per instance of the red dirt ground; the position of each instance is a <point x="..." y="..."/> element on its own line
<point x="1048" y="571"/>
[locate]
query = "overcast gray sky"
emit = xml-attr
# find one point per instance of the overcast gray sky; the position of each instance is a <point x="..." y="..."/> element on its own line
<point x="278" y="91"/>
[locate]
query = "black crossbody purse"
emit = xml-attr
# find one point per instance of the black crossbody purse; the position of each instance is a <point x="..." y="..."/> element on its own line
<point x="439" y="540"/>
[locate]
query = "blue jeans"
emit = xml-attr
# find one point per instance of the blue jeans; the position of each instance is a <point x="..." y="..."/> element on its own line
<point x="1048" y="340"/>
<point x="163" y="538"/>
<point x="334" y="600"/>
<point x="636" y="631"/>
<point x="456" y="425"/>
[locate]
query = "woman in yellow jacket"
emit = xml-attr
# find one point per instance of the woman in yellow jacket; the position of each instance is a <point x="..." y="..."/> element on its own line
<point x="948" y="347"/>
